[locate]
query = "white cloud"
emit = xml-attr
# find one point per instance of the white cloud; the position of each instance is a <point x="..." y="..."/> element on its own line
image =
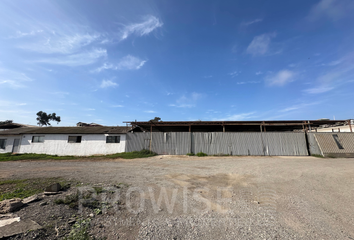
<point x="60" y="94"/>
<point x="249" y="82"/>
<point x="108" y="83"/>
<point x="298" y="106"/>
<point x="12" y="84"/>
<point x="79" y="59"/>
<point x="238" y="117"/>
<point x="333" y="63"/>
<point x="61" y="43"/>
<point x="187" y="101"/>
<point x="280" y="78"/>
<point x="117" y="106"/>
<point x="11" y="103"/>
<point x="331" y="9"/>
<point x="130" y="63"/>
<point x="149" y="111"/>
<point x="235" y="74"/>
<point x="126" y="63"/>
<point x="251" y="22"/>
<point x="20" y="34"/>
<point x="260" y="44"/>
<point x="105" y="66"/>
<point x="259" y="73"/>
<point x="13" y="79"/>
<point x="149" y="24"/>
<point x="318" y="90"/>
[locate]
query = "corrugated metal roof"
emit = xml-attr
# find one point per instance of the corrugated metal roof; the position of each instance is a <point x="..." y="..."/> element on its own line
<point x="66" y="130"/>
<point x="231" y="126"/>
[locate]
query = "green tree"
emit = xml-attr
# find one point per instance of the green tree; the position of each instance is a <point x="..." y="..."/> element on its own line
<point x="43" y="118"/>
<point x="156" y="119"/>
<point x="6" y="122"/>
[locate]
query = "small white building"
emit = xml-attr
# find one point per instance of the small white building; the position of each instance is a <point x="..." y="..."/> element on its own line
<point x="76" y="141"/>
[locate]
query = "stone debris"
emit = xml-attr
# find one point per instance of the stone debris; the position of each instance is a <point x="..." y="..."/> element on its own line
<point x="8" y="221"/>
<point x="10" y="205"/>
<point x="43" y="203"/>
<point x="18" y="227"/>
<point x="53" y="188"/>
<point x="71" y="220"/>
<point x="30" y="199"/>
<point x="51" y="193"/>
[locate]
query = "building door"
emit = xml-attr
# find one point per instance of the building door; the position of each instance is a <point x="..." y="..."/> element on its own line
<point x="16" y="145"/>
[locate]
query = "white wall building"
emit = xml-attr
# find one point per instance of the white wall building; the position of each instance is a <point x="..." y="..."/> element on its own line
<point x="76" y="141"/>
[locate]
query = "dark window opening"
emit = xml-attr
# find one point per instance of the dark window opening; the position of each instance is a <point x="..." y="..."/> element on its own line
<point x="113" y="139"/>
<point x="38" y="139"/>
<point x="336" y="139"/>
<point x="74" y="139"/>
<point x="2" y="143"/>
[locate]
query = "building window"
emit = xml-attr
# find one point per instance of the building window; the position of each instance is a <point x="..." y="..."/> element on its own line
<point x="113" y="139"/>
<point x="336" y="139"/>
<point x="2" y="143"/>
<point x="74" y="139"/>
<point x="38" y="139"/>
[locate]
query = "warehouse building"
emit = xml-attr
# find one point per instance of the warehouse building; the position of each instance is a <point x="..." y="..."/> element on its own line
<point x="257" y="138"/>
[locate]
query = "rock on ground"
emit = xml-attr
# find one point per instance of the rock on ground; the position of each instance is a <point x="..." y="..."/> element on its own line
<point x="10" y="205"/>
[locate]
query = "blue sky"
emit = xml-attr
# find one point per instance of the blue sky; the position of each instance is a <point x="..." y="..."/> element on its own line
<point x="113" y="61"/>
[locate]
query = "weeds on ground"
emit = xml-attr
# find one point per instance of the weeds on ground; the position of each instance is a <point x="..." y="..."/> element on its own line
<point x="22" y="188"/>
<point x="98" y="189"/>
<point x="190" y="154"/>
<point x="317" y="155"/>
<point x="32" y="156"/>
<point x="201" y="154"/>
<point x="130" y="155"/>
<point x="79" y="230"/>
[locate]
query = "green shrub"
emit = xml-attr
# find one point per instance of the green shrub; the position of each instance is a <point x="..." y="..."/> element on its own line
<point x="201" y="154"/>
<point x="71" y="200"/>
<point x="190" y="154"/>
<point x="79" y="230"/>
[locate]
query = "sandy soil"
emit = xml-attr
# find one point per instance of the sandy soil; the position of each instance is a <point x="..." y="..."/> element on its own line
<point x="180" y="197"/>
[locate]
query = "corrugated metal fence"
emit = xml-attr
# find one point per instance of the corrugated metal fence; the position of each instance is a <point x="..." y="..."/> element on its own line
<point x="214" y="143"/>
<point x="336" y="144"/>
<point x="313" y="144"/>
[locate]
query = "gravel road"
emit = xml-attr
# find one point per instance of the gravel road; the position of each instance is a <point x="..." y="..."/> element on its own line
<point x="180" y="197"/>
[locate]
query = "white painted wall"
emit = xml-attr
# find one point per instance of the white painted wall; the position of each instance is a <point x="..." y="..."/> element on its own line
<point x="335" y="129"/>
<point x="9" y="142"/>
<point x="57" y="144"/>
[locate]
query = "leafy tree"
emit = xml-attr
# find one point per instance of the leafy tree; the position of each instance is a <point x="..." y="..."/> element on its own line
<point x="44" y="118"/>
<point x="156" y="119"/>
<point x="6" y="122"/>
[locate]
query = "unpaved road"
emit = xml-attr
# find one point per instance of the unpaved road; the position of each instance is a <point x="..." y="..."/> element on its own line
<point x="219" y="197"/>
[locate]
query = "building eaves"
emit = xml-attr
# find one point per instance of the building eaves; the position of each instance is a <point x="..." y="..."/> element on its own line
<point x="67" y="130"/>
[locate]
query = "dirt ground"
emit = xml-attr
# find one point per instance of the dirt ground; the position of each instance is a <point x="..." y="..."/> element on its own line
<point x="180" y="197"/>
